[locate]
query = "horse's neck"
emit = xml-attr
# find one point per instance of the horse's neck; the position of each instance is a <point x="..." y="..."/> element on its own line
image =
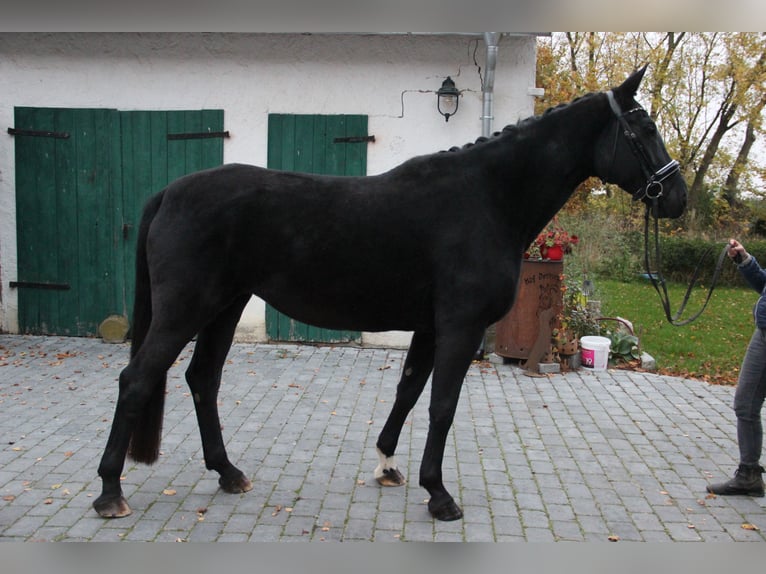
<point x="545" y="165"/>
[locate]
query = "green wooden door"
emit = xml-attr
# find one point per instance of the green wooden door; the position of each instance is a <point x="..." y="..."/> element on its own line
<point x="82" y="176"/>
<point x="156" y="148"/>
<point x="329" y="145"/>
<point x="64" y="218"/>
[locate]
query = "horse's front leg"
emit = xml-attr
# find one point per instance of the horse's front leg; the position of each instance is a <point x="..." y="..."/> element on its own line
<point x="417" y="368"/>
<point x="454" y="352"/>
<point x="204" y="379"/>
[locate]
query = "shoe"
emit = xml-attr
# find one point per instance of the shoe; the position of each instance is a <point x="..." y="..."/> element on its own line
<point x="747" y="481"/>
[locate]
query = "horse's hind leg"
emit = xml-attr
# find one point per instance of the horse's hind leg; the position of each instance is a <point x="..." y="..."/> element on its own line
<point x="204" y="378"/>
<point x="141" y="383"/>
<point x="417" y="368"/>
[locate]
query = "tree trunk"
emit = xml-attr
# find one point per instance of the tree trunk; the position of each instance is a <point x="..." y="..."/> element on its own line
<point x="731" y="187"/>
<point x="697" y="187"/>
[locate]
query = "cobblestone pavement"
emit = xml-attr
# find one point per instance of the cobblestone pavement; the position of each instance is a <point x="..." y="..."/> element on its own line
<point x="573" y="456"/>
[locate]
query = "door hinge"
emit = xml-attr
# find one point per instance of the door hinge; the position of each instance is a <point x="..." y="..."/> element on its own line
<point x="198" y="135"/>
<point x="38" y="133"/>
<point x="39" y="285"/>
<point x="354" y="139"/>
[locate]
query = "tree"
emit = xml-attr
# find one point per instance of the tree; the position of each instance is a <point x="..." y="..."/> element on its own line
<point x="706" y="93"/>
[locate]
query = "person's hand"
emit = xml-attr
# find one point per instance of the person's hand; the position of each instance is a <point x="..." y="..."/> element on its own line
<point x="736" y="251"/>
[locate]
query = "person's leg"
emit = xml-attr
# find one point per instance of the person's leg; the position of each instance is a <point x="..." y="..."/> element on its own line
<point x="748" y="400"/>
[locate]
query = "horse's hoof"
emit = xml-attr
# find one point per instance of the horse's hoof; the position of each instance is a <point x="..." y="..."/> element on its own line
<point x="391" y="477"/>
<point x="112" y="507"/>
<point x="446" y="511"/>
<point x="236" y="485"/>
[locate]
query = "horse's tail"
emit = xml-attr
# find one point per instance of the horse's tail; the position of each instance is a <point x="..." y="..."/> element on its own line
<point x="147" y="432"/>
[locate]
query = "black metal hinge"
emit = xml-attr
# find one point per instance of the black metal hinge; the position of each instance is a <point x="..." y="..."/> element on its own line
<point x="198" y="135"/>
<point x="38" y="133"/>
<point x="354" y="139"/>
<point x="39" y="285"/>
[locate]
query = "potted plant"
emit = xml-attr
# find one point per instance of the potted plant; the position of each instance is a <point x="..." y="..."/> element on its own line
<point x="552" y="243"/>
<point x="576" y="319"/>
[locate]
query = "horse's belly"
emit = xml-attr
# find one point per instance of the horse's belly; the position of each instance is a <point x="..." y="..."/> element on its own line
<point x="359" y="312"/>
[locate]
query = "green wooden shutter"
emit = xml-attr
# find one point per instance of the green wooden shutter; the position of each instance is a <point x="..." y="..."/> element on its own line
<point x="150" y="160"/>
<point x="64" y="205"/>
<point x="79" y="192"/>
<point x="309" y="143"/>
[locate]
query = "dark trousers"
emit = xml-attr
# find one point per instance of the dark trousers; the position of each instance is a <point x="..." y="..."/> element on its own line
<point x="748" y="400"/>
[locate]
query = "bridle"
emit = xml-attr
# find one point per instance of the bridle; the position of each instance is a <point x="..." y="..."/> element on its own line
<point x="653" y="188"/>
<point x="653" y="191"/>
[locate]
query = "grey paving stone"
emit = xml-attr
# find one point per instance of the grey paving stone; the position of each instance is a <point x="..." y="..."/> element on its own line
<point x="571" y="456"/>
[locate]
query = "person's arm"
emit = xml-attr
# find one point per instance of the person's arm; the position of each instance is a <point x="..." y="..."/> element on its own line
<point x="748" y="265"/>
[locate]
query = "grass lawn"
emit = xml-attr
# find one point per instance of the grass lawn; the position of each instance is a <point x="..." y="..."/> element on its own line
<point x="711" y="348"/>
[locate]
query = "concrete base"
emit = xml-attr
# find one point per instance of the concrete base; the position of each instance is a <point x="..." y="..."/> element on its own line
<point x="548" y="368"/>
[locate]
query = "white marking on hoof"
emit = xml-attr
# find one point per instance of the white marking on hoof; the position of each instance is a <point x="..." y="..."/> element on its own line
<point x="387" y="472"/>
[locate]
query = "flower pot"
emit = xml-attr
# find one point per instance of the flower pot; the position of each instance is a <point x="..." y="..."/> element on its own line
<point x="555" y="252"/>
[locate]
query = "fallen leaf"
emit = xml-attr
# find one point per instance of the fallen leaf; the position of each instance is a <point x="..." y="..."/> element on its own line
<point x="9" y="498"/>
<point x="613" y="538"/>
<point x="48" y="501"/>
<point x="326" y="526"/>
<point x="169" y="492"/>
<point x="748" y="526"/>
<point x="55" y="486"/>
<point x="68" y="453"/>
<point x="277" y="510"/>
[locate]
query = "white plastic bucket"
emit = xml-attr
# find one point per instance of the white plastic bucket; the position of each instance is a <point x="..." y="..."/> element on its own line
<point x="595" y="352"/>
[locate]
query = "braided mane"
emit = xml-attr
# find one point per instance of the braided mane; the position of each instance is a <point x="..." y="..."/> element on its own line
<point x="522" y="123"/>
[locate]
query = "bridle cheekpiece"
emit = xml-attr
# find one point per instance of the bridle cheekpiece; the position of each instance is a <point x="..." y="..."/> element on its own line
<point x="653" y="188"/>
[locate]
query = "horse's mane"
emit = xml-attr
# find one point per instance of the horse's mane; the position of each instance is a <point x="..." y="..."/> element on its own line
<point x="522" y="124"/>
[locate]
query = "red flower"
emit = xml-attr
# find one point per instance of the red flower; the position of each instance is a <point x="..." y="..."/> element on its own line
<point x="553" y="234"/>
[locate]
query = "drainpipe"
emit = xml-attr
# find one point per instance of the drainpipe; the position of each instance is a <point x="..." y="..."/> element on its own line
<point x="488" y="88"/>
<point x="490" y="40"/>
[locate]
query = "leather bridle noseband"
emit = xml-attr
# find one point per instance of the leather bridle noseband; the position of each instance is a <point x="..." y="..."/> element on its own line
<point x="653" y="191"/>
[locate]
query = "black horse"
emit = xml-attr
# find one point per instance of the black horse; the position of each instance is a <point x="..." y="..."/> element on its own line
<point x="436" y="242"/>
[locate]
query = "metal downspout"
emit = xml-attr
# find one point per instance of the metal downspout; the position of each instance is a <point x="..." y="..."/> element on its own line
<point x="490" y="40"/>
<point x="488" y="88"/>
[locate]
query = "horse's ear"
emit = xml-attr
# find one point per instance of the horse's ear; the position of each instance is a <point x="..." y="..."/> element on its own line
<point x="629" y="87"/>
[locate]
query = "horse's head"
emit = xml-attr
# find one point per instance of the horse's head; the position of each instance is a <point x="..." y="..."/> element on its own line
<point x="630" y="153"/>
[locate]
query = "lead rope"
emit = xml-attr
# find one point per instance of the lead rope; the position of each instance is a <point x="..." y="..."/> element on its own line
<point x="659" y="282"/>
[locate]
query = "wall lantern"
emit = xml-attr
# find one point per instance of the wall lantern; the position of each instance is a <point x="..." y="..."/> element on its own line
<point x="447" y="99"/>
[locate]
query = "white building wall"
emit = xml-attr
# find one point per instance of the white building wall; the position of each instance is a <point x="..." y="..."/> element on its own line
<point x="390" y="78"/>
